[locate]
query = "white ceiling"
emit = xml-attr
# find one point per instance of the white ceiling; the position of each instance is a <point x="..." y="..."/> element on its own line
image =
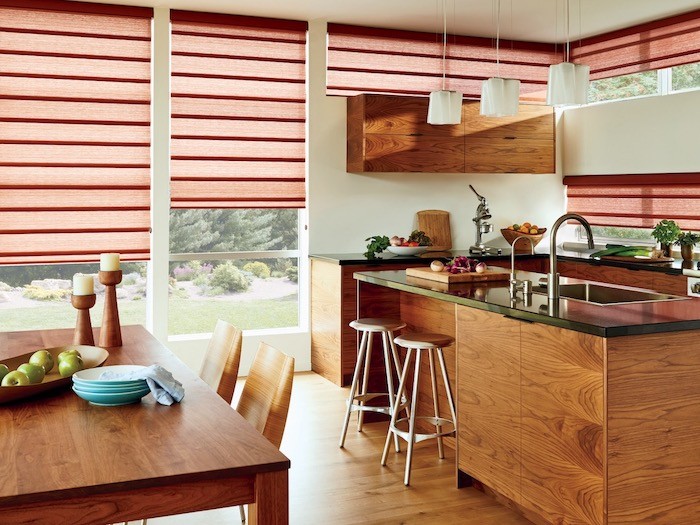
<point x="530" y="20"/>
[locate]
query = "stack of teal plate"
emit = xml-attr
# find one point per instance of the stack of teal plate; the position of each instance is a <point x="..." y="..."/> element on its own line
<point x="110" y="392"/>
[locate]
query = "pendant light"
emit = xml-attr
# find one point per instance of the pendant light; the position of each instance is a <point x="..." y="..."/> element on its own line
<point x="445" y="107"/>
<point x="500" y="97"/>
<point x="568" y="82"/>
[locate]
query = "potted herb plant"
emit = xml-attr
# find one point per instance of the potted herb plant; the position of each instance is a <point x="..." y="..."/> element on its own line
<point x="666" y="232"/>
<point x="687" y="242"/>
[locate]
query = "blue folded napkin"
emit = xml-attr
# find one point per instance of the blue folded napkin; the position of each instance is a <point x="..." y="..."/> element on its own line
<point x="164" y="387"/>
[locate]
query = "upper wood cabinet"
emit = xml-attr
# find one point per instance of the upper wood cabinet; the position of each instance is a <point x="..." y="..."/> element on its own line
<point x="390" y="134"/>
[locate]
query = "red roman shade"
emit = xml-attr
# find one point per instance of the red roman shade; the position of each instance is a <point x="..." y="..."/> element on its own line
<point x="636" y="201"/>
<point x="372" y="60"/>
<point x="238" y="112"/>
<point x="664" y="43"/>
<point x="74" y="131"/>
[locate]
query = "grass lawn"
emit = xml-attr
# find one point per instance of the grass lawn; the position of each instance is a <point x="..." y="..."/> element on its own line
<point x="186" y="316"/>
<point x="196" y="316"/>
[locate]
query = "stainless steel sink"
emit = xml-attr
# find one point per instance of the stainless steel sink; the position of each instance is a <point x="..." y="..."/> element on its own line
<point x="607" y="295"/>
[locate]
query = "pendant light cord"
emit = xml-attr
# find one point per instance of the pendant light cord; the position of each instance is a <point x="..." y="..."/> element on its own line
<point x="444" y="41"/>
<point x="498" y="37"/>
<point x="567" y="7"/>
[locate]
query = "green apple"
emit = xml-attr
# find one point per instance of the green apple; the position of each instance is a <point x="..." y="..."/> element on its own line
<point x="3" y="371"/>
<point x="42" y="358"/>
<point x="15" y="378"/>
<point x="35" y="373"/>
<point x="69" y="365"/>
<point x="66" y="353"/>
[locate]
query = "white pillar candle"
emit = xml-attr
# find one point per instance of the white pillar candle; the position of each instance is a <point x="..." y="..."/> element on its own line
<point x="109" y="262"/>
<point x="83" y="284"/>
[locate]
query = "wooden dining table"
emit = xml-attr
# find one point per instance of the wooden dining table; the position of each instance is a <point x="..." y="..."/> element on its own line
<point x="66" y="461"/>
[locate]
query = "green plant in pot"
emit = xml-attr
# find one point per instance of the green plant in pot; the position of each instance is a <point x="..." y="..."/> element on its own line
<point x="666" y="232"/>
<point x="687" y="242"/>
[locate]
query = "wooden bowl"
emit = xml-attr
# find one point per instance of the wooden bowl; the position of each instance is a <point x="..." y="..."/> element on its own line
<point x="522" y="245"/>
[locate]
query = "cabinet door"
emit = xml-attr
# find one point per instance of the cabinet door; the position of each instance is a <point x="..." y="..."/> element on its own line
<point x="407" y="153"/>
<point x="508" y="155"/>
<point x="488" y="403"/>
<point x="531" y="122"/>
<point x="386" y="114"/>
<point x="563" y="447"/>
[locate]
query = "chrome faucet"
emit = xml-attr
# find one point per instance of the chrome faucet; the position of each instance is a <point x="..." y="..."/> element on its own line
<point x="515" y="284"/>
<point x="553" y="276"/>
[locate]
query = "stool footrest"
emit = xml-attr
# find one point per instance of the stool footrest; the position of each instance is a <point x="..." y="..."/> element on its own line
<point x="436" y="421"/>
<point x="363" y="398"/>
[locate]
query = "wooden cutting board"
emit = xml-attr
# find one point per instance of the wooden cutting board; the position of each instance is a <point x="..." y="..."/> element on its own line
<point x="436" y="225"/>
<point x="493" y="273"/>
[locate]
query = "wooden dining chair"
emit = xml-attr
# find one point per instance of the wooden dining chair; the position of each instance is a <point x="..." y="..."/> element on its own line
<point x="220" y="366"/>
<point x="264" y="401"/>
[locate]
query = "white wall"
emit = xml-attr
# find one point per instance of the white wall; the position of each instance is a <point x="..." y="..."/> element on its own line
<point x="645" y="135"/>
<point x="346" y="208"/>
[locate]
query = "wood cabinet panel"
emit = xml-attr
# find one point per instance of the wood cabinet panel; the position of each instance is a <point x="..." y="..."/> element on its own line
<point x="488" y="403"/>
<point x="333" y="305"/>
<point x="508" y="155"/>
<point x="563" y="447"/>
<point x="407" y="153"/>
<point x="391" y="134"/>
<point x="531" y="122"/>
<point x="386" y="114"/>
<point x="424" y="314"/>
<point x="653" y="400"/>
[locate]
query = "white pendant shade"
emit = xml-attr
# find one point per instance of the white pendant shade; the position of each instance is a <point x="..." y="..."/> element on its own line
<point x="445" y="107"/>
<point x="500" y="97"/>
<point x="568" y="84"/>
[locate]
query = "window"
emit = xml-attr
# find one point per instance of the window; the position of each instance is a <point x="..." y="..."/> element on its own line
<point x="686" y="76"/>
<point x="37" y="297"/>
<point x="237" y="171"/>
<point x="625" y="86"/>
<point x="241" y="265"/>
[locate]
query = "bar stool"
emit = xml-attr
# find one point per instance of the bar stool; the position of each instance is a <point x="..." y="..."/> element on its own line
<point x="416" y="344"/>
<point x="357" y="400"/>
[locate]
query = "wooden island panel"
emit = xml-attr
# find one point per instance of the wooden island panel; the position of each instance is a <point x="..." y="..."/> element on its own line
<point x="488" y="403"/>
<point x="653" y="429"/>
<point x="563" y="447"/>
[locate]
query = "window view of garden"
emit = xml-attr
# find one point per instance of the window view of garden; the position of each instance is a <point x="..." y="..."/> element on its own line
<point x="38" y="297"/>
<point x="241" y="285"/>
<point x="236" y="281"/>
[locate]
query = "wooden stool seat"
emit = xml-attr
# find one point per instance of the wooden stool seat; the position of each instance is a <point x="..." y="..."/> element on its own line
<point x="359" y="396"/>
<point x="377" y="324"/>
<point x="423" y="340"/>
<point x="405" y="428"/>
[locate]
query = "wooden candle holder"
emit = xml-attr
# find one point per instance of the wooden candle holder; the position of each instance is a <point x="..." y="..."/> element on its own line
<point x="111" y="332"/>
<point x="83" y="326"/>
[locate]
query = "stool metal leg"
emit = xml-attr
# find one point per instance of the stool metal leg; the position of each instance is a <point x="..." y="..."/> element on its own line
<point x="436" y="405"/>
<point x="353" y="386"/>
<point x="397" y="367"/>
<point x="365" y="380"/>
<point x="390" y="383"/>
<point x="399" y="394"/>
<point x="412" y="422"/>
<point x="448" y="389"/>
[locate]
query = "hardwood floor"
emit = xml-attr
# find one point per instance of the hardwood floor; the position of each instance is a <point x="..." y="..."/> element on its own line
<point x="329" y="485"/>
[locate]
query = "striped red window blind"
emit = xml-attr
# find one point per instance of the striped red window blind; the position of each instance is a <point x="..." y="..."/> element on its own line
<point x="238" y="112"/>
<point x="373" y="60"/>
<point x="74" y="131"/>
<point x="655" y="45"/>
<point x="636" y="201"/>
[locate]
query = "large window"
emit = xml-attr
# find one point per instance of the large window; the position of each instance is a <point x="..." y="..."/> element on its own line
<point x="241" y="265"/>
<point x="37" y="297"/>
<point x="686" y="76"/>
<point x="625" y="86"/>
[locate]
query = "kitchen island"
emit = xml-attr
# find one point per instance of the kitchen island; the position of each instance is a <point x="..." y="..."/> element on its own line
<point x="568" y="411"/>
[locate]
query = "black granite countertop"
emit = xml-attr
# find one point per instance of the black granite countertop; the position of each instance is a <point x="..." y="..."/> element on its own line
<point x="674" y="268"/>
<point x="605" y="321"/>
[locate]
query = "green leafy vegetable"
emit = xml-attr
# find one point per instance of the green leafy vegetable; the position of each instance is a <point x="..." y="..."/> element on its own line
<point x="378" y="243"/>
